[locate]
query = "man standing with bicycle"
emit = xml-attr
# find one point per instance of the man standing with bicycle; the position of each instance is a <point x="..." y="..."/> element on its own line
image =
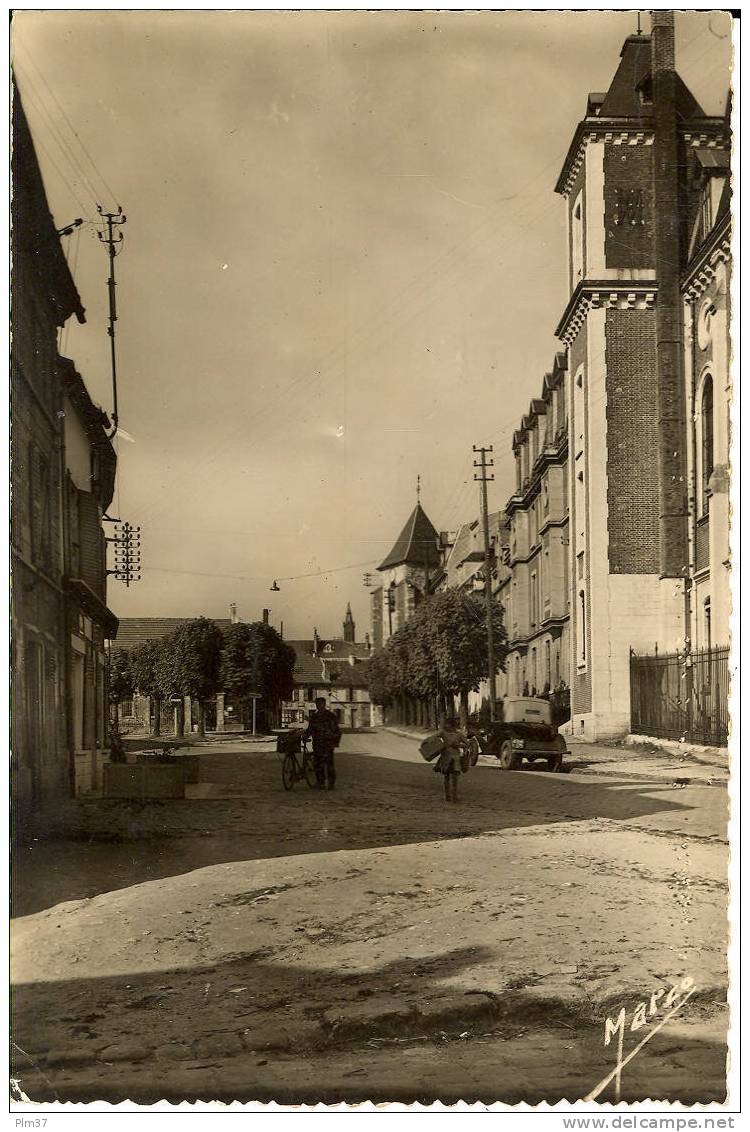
<point x="323" y="728"/>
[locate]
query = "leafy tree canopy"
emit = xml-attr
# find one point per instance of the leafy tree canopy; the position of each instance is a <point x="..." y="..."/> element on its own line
<point x="444" y="645"/>
<point x="144" y="660"/>
<point x="256" y="659"/>
<point x="121" y="680"/>
<point x="189" y="660"/>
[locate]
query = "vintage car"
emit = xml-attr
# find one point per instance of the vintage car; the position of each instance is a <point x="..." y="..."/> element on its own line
<point x="524" y="730"/>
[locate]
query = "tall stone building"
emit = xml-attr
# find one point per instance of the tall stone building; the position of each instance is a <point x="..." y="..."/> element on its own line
<point x="537" y="598"/>
<point x="705" y="289"/>
<point x="629" y="201"/>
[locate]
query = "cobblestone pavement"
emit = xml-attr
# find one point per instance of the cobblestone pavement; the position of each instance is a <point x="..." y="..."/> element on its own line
<point x="257" y="943"/>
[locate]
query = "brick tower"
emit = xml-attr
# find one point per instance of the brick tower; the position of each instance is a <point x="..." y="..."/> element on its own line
<point x="627" y="198"/>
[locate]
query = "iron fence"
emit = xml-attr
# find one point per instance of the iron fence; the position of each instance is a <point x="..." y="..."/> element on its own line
<point x="681" y="696"/>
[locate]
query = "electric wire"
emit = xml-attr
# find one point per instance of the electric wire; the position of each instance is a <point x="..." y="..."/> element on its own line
<point x="259" y="578"/>
<point x="97" y="171"/>
<point x="240" y="430"/>
<point x="32" y="96"/>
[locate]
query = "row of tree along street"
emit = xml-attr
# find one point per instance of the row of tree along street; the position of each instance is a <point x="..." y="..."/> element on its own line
<point x="439" y="655"/>
<point x="199" y="660"/>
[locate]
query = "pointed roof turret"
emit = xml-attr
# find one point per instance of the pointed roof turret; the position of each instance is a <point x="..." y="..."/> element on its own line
<point x="628" y="102"/>
<point x="417" y="545"/>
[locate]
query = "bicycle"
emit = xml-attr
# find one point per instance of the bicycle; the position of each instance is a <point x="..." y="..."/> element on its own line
<point x="292" y="770"/>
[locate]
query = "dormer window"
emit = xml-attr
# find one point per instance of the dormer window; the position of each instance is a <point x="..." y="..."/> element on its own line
<point x="646" y="92"/>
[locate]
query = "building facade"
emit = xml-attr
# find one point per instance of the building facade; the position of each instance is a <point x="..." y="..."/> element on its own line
<point x="45" y="729"/>
<point x="463" y="567"/>
<point x="627" y="196"/>
<point x="89" y="466"/>
<point x="336" y="669"/>
<point x="708" y="394"/>
<point x="537" y="596"/>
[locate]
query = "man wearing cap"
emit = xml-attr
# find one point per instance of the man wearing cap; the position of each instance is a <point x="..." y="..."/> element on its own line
<point x="324" y="730"/>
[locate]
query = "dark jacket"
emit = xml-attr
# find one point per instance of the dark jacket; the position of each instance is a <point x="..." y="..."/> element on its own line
<point x="324" y="730"/>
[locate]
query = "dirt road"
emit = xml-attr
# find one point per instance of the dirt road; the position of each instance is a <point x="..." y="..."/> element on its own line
<point x="373" y="942"/>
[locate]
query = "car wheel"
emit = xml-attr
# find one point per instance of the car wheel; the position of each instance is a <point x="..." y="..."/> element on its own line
<point x="509" y="759"/>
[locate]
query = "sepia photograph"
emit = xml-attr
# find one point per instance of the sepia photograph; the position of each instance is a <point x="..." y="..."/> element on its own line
<point x="372" y="443"/>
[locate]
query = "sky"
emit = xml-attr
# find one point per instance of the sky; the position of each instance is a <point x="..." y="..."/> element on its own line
<point x="342" y="267"/>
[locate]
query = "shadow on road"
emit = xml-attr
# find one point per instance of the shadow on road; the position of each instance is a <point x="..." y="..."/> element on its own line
<point x="101" y="1021"/>
<point x="91" y="847"/>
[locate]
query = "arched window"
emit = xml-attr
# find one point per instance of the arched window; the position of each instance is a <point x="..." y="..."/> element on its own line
<point x="707" y="440"/>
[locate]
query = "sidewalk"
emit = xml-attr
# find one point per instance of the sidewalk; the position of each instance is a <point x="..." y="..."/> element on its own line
<point x="681" y="764"/>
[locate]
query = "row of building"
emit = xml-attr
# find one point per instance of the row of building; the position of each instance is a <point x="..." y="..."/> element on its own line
<point x="612" y="554"/>
<point x="62" y="481"/>
<point x="335" y="668"/>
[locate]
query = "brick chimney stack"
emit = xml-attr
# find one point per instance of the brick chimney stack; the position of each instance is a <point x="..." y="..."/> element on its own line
<point x="673" y="551"/>
<point x="233" y="613"/>
<point x="266" y="615"/>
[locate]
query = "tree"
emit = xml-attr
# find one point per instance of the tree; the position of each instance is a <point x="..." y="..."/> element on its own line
<point x="256" y="660"/>
<point x="451" y="630"/>
<point x="120" y="679"/>
<point x="440" y="652"/>
<point x="378" y="677"/>
<point x="144" y="660"/>
<point x="189" y="663"/>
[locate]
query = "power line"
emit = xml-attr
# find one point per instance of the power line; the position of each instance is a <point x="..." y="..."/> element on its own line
<point x="285" y="392"/>
<point x="61" y="175"/>
<point x="61" y="108"/>
<point x="77" y="169"/>
<point x="258" y="578"/>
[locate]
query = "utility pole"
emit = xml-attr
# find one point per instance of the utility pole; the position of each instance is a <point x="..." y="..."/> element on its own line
<point x="127" y="544"/>
<point x="483" y="478"/>
<point x="113" y="241"/>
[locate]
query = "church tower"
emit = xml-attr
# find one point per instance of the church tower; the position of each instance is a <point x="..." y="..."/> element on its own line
<point x="627" y="200"/>
<point x="349" y="625"/>
<point x="406" y="573"/>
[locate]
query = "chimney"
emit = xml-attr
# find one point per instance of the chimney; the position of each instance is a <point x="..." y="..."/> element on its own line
<point x="233" y="613"/>
<point x="368" y="646"/>
<point x="673" y="551"/>
<point x="316" y="642"/>
<point x="266" y="615"/>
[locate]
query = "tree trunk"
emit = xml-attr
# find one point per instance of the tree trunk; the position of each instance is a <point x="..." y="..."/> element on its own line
<point x="156" y="719"/>
<point x="463" y="710"/>
<point x="116" y="715"/>
<point x="201" y="719"/>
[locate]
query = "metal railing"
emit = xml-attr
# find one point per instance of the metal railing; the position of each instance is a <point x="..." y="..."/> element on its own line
<point x="681" y="696"/>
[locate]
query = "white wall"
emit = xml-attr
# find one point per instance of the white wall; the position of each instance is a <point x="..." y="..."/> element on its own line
<point x="77" y="448"/>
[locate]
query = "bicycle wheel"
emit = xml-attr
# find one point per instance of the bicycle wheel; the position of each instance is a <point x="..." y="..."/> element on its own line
<point x="308" y="769"/>
<point x="289" y="771"/>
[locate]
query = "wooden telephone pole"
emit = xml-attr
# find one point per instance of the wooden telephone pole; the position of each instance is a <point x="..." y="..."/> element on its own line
<point x="483" y="479"/>
<point x="112" y="240"/>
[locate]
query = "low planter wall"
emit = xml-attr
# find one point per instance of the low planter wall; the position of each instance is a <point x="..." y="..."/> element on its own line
<point x="144" y="780"/>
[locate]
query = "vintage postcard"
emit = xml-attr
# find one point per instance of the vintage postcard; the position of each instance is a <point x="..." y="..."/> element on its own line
<point x="372" y="432"/>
